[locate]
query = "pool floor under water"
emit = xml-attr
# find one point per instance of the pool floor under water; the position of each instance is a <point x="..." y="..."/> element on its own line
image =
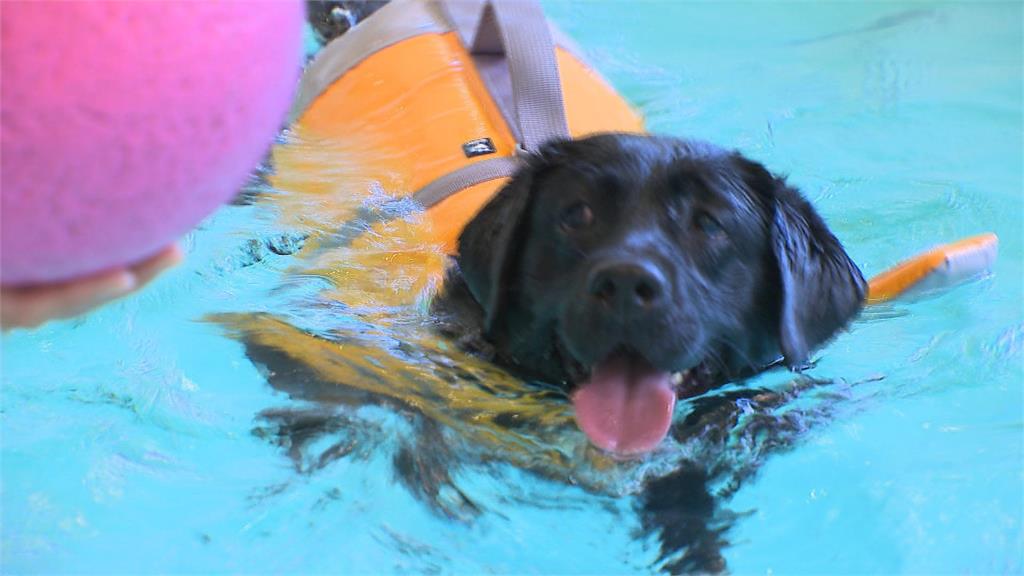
<point x="142" y="438"/>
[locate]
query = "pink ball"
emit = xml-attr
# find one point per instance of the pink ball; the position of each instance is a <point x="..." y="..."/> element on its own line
<point x="125" y="123"/>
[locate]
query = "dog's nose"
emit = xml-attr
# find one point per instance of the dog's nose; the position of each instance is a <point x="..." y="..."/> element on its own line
<point x="629" y="288"/>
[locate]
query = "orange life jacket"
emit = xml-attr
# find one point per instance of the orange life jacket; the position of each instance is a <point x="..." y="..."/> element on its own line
<point x="406" y="125"/>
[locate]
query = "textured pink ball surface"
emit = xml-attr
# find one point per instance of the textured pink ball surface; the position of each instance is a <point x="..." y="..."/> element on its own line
<point x="125" y="123"/>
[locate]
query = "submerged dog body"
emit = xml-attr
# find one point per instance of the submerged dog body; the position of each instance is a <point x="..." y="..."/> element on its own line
<point x="633" y="269"/>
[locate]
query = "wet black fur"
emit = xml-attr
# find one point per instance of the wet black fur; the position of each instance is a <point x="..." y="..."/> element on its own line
<point x="763" y="281"/>
<point x="332" y="18"/>
<point x="750" y="272"/>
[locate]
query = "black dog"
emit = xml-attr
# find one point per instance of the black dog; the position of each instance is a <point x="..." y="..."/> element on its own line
<point x="627" y="271"/>
<point x="634" y="269"/>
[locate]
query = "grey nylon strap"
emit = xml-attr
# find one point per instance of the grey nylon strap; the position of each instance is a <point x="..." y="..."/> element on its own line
<point x="471" y="175"/>
<point x="518" y="30"/>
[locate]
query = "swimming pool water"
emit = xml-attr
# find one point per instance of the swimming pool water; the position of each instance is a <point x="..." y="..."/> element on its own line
<point x="132" y="439"/>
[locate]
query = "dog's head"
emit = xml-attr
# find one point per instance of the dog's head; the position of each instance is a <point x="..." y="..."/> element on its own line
<point x="621" y="265"/>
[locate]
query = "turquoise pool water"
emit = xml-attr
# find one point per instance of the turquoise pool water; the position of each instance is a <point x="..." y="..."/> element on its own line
<point x="132" y="441"/>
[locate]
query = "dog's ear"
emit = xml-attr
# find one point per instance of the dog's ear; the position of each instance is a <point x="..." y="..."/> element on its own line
<point x="820" y="289"/>
<point x="489" y="245"/>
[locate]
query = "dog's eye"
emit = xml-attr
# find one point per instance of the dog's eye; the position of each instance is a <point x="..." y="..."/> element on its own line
<point x="709" y="226"/>
<point x="577" y="216"/>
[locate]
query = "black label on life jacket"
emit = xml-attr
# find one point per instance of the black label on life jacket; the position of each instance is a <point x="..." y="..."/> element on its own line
<point x="478" y="147"/>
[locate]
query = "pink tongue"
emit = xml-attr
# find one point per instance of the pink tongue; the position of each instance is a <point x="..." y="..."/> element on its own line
<point x="626" y="406"/>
